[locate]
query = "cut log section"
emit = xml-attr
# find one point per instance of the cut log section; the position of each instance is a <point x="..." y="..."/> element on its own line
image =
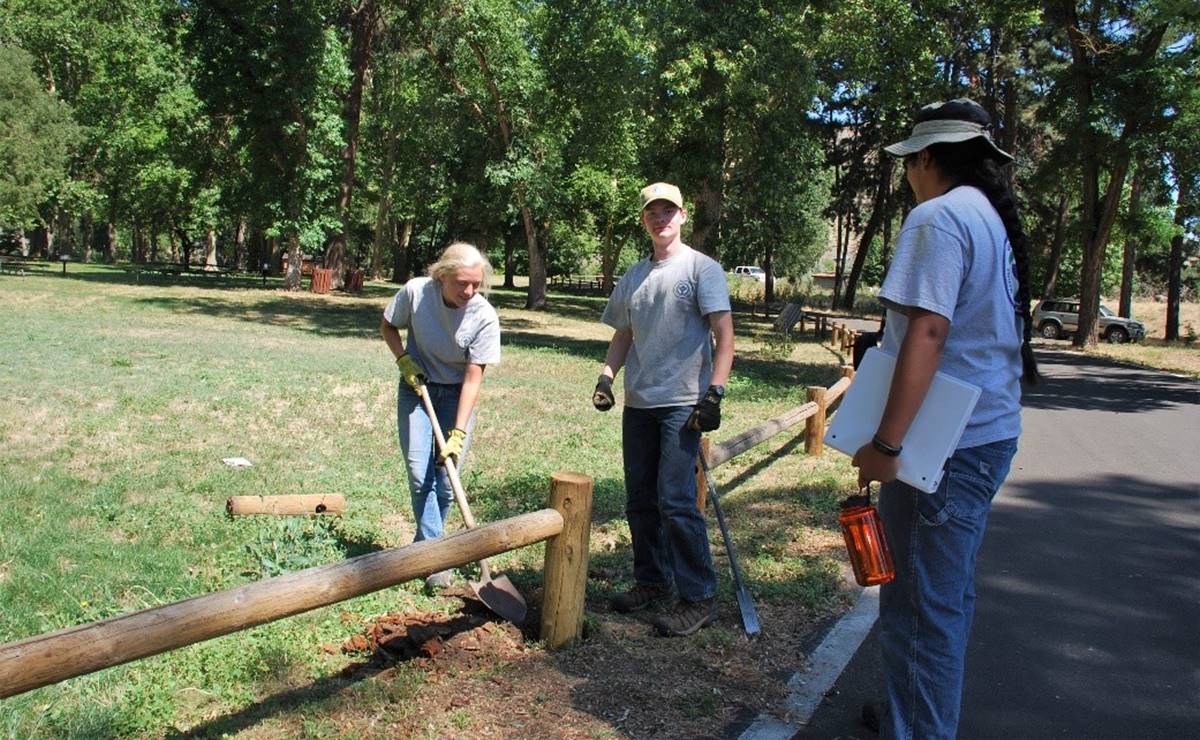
<point x="294" y="505"/>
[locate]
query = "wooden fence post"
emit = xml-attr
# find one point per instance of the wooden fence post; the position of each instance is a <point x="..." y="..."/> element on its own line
<point x="814" y="428"/>
<point x="848" y="371"/>
<point x="835" y="337"/>
<point x="701" y="479"/>
<point x="567" y="560"/>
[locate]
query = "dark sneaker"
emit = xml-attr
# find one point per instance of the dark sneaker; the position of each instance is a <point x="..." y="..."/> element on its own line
<point x="438" y="581"/>
<point x="639" y="597"/>
<point x="872" y="714"/>
<point x="686" y="617"/>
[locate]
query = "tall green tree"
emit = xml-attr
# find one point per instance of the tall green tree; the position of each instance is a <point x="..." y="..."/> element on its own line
<point x="36" y="136"/>
<point x="272" y="71"/>
<point x="1116" y="60"/>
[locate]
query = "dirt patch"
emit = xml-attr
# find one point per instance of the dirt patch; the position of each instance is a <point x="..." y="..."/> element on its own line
<point x="487" y="678"/>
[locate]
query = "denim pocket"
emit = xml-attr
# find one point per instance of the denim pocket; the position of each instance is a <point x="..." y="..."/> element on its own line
<point x="973" y="475"/>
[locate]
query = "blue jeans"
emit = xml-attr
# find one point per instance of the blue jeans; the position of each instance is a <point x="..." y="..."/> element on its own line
<point x="925" y="613"/>
<point x="670" y="538"/>
<point x="427" y="481"/>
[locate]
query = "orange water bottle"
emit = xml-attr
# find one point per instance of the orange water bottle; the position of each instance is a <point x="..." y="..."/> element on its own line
<point x="865" y="541"/>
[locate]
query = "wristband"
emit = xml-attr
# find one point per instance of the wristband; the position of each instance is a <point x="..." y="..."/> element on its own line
<point x="884" y="447"/>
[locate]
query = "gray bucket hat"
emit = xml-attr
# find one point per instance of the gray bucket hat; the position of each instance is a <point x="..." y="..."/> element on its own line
<point x="948" y="122"/>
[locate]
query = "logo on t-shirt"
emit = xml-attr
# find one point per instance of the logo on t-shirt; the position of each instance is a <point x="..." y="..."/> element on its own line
<point x="684" y="289"/>
<point x="1010" y="273"/>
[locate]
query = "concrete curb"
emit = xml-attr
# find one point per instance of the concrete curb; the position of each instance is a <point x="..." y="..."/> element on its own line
<point x="808" y="686"/>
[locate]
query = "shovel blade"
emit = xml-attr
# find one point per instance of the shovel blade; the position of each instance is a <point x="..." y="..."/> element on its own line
<point x="501" y="596"/>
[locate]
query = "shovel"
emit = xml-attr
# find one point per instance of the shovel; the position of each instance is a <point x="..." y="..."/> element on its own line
<point x="498" y="594"/>
<point x="745" y="603"/>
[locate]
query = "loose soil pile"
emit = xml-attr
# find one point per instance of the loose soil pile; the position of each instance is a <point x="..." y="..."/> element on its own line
<point x="486" y="678"/>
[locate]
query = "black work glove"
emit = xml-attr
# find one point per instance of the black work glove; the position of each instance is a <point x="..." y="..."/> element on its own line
<point x="602" y="397"/>
<point x="707" y="415"/>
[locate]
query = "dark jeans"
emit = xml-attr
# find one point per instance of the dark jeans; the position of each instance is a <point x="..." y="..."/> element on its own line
<point x="670" y="538"/>
<point x="925" y="613"/>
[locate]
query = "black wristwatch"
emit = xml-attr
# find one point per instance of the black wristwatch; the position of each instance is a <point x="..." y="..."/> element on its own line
<point x="718" y="390"/>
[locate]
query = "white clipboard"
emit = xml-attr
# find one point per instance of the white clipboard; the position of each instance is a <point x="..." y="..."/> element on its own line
<point x="934" y="433"/>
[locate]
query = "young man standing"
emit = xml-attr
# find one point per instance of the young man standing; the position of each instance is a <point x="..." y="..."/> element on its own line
<point x="665" y="311"/>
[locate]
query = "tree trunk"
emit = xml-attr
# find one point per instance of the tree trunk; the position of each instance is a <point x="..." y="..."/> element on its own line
<point x="239" y="246"/>
<point x="1056" y="248"/>
<point x="210" y="250"/>
<point x="42" y="237"/>
<point x="85" y="233"/>
<point x="138" y="235"/>
<point x="108" y="242"/>
<point x="185" y="248"/>
<point x="884" y="170"/>
<point x="1175" y="271"/>
<point x="535" y="297"/>
<point x="610" y="256"/>
<point x="510" y="260"/>
<point x="403" y="264"/>
<point x="769" y="285"/>
<point x="839" y="249"/>
<point x="1125" y="306"/>
<point x="706" y="219"/>
<point x="385" y="232"/>
<point x="293" y="278"/>
<point x="363" y="21"/>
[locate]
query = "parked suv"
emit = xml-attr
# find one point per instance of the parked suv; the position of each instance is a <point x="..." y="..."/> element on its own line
<point x="751" y="271"/>
<point x="1059" y="317"/>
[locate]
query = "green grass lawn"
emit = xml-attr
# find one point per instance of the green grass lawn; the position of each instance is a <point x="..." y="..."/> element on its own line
<point x="122" y="397"/>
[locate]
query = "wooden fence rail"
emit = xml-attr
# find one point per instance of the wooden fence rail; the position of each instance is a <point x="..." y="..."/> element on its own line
<point x="56" y="656"/>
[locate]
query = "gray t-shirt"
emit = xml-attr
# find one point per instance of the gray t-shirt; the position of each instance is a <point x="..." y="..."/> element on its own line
<point x="666" y="305"/>
<point x="953" y="258"/>
<point x="444" y="340"/>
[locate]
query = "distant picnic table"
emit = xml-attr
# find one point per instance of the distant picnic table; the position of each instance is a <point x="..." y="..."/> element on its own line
<point x="176" y="268"/>
<point x="13" y="265"/>
<point x="583" y="283"/>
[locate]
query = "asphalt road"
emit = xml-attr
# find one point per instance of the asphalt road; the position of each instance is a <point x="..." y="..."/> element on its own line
<point x="1088" y="614"/>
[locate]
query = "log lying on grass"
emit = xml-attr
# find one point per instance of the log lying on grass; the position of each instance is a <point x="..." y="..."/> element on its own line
<point x="294" y="505"/>
<point x="45" y="659"/>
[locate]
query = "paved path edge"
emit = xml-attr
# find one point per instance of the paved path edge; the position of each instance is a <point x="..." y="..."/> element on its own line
<point x="808" y="686"/>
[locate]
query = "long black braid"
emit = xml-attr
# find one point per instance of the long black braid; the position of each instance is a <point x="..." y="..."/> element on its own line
<point x="973" y="162"/>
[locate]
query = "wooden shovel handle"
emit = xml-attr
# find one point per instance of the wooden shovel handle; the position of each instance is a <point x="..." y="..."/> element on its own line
<point x="460" y="496"/>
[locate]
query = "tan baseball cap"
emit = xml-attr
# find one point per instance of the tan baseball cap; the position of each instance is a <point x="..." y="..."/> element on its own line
<point x="661" y="191"/>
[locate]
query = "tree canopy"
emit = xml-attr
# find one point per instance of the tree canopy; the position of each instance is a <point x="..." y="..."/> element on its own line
<point x="375" y="132"/>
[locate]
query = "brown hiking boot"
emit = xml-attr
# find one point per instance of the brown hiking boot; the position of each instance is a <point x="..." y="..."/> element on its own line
<point x="639" y="597"/>
<point x="686" y="617"/>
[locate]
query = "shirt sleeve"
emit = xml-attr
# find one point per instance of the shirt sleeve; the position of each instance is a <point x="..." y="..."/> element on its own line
<point x="712" y="288"/>
<point x="616" y="311"/>
<point x="926" y="271"/>
<point x="399" y="309"/>
<point x="485" y="347"/>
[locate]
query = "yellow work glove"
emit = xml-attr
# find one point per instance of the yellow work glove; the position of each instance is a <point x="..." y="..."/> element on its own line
<point x="410" y="371"/>
<point x="454" y="446"/>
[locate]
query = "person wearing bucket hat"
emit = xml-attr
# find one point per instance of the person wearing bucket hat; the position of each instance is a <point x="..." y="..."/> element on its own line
<point x="957" y="297"/>
<point x="665" y="313"/>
